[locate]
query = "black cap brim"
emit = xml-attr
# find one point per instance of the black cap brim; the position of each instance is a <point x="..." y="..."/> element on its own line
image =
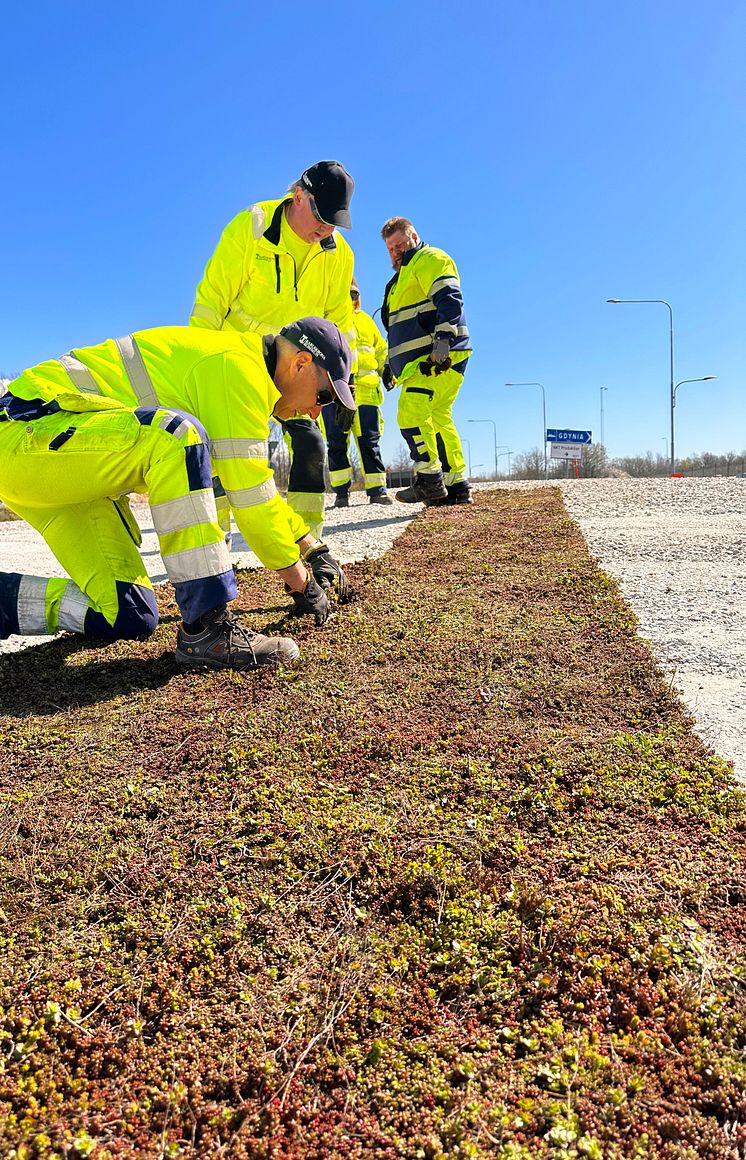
<point x="340" y="219"/>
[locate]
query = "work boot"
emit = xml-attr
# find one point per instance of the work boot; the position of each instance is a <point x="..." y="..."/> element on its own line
<point x="342" y="500"/>
<point x="381" y="497"/>
<point x="427" y="489"/>
<point x="458" y="493"/>
<point x="223" y="643"/>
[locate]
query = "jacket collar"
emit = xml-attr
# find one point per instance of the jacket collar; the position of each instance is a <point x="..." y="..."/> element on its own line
<point x="407" y="258"/>
<point x="272" y="232"/>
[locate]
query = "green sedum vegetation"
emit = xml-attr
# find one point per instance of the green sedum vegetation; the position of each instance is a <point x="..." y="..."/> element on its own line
<point x="463" y="884"/>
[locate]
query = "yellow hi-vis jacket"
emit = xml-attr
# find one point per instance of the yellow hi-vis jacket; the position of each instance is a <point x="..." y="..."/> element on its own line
<point x="423" y="302"/>
<point x="253" y="282"/>
<point x="221" y="379"/>
<point x="371" y="355"/>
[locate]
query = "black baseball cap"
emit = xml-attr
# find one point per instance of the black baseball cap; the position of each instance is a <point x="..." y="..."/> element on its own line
<point x="329" y="350"/>
<point x="331" y="188"/>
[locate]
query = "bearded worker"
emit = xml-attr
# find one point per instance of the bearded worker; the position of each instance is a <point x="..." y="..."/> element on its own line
<point x="428" y="351"/>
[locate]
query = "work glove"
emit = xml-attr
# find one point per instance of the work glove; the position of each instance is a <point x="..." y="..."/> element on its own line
<point x="345" y="417"/>
<point x="313" y="601"/>
<point x="326" y="571"/>
<point x="440" y="355"/>
<point x="387" y="377"/>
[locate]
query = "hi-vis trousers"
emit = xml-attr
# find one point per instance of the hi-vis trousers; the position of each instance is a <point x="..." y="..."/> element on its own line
<point x="426" y="423"/>
<point x="367" y="429"/>
<point x="66" y="474"/>
<point x="306" y="485"/>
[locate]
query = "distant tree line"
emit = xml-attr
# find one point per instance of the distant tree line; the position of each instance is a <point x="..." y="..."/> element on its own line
<point x="596" y="463"/>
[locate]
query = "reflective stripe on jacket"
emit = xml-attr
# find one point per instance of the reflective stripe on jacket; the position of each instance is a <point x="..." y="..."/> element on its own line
<point x="221" y="379"/>
<point x="423" y="301"/>
<point x="252" y="281"/>
<point x="371" y="356"/>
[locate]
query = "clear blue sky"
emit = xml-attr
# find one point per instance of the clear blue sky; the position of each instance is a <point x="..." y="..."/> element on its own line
<point x="563" y="153"/>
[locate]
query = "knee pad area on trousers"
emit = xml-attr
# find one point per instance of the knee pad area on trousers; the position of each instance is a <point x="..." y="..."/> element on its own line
<point x="177" y="423"/>
<point x="137" y="616"/>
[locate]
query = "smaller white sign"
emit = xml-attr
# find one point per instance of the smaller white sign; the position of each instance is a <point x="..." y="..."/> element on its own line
<point x="567" y="451"/>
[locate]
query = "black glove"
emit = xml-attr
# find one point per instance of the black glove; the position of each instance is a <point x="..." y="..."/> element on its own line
<point x="312" y="600"/>
<point x="440" y="355"/>
<point x="326" y="571"/>
<point x="387" y="377"/>
<point x="345" y="417"/>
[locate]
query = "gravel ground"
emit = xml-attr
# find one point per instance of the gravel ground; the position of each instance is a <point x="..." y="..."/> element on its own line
<point x="677" y="548"/>
<point x="674" y="545"/>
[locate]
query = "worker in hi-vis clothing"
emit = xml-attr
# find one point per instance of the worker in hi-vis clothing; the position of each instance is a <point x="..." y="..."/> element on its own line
<point x="428" y="349"/>
<point x="275" y="261"/>
<point x="368" y="425"/>
<point x="159" y="412"/>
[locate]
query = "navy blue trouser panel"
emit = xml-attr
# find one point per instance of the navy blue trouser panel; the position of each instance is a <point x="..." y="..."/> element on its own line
<point x="307" y="467"/>
<point x="137" y="617"/>
<point x="442" y="454"/>
<point x="368" y="442"/>
<point x="9" y="585"/>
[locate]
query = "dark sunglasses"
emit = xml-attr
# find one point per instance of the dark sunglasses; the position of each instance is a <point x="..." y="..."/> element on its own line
<point x="324" y="396"/>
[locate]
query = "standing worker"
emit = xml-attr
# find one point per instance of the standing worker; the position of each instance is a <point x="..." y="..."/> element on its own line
<point x="428" y="349"/>
<point x="278" y="260"/>
<point x="130" y="415"/>
<point x="368" y="425"/>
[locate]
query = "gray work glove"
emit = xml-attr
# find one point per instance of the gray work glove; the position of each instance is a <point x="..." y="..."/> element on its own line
<point x="326" y="571"/>
<point x="313" y="601"/>
<point x="440" y="355"/>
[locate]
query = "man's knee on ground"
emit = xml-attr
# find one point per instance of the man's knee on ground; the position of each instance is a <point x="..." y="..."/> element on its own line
<point x="137" y="615"/>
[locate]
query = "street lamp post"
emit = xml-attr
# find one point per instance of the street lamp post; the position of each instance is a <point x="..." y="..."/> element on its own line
<point x="703" y="379"/>
<point x="544" y="415"/>
<point x="494" y="426"/>
<point x="507" y="452"/>
<point x="468" y="454"/>
<point x="662" y="302"/>
<point x="501" y="449"/>
<point x="601" y="391"/>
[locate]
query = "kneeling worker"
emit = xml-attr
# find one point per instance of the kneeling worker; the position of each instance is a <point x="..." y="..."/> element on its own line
<point x="149" y="413"/>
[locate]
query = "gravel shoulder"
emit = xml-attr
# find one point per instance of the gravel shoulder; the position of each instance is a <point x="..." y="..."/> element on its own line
<point x="675" y="546"/>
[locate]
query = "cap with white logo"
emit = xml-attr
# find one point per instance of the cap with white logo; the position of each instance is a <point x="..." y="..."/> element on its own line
<point x="331" y="187"/>
<point x="324" y="341"/>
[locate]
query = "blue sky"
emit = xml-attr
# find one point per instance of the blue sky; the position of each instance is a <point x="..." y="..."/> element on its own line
<point x="562" y="152"/>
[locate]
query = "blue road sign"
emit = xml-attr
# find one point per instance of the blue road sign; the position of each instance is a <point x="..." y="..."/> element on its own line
<point x="565" y="435"/>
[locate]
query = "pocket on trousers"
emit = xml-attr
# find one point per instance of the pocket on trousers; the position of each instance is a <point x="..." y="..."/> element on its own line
<point x="126" y="515"/>
<point x="90" y="431"/>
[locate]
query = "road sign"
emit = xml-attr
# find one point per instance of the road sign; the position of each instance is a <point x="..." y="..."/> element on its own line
<point x="567" y="450"/>
<point x="565" y="435"/>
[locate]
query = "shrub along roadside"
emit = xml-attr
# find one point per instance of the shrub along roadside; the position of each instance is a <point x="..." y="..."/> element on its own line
<point x="462" y="884"/>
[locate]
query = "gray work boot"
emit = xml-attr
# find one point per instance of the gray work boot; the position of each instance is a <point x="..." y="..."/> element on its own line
<point x="222" y="643"/>
<point x="381" y="497"/>
<point x="427" y="489"/>
<point x="342" y="500"/>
